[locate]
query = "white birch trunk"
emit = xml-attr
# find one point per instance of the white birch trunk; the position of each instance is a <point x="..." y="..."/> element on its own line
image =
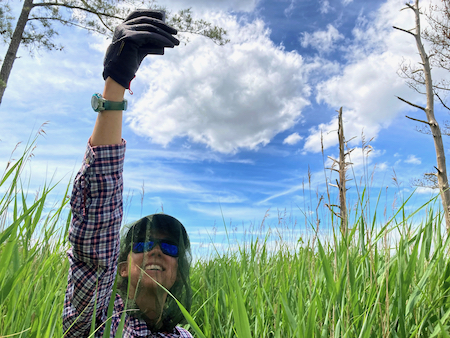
<point x="431" y="120"/>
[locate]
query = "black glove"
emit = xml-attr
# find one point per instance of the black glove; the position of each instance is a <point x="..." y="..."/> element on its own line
<point x="143" y="32"/>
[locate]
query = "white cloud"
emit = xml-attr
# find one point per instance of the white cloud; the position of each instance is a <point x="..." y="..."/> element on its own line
<point x="288" y="10"/>
<point x="225" y="5"/>
<point x="426" y="191"/>
<point x="282" y="193"/>
<point x="325" y="134"/>
<point x="360" y="159"/>
<point x="236" y="96"/>
<point x="71" y="73"/>
<point x="324" y="41"/>
<point x="412" y="159"/>
<point x="229" y="213"/>
<point x="382" y="166"/>
<point x="292" y="139"/>
<point x="366" y="92"/>
<point x="324" y="6"/>
<point x="368" y="85"/>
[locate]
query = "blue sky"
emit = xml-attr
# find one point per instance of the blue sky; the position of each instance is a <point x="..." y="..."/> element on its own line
<point x="235" y="130"/>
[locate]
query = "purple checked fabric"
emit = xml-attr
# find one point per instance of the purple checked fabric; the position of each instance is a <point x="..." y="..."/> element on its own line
<point x="97" y="210"/>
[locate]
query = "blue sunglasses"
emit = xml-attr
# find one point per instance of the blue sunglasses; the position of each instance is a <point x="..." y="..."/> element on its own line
<point x="167" y="247"/>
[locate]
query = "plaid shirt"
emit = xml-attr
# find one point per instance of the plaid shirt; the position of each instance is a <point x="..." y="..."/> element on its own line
<point x="94" y="234"/>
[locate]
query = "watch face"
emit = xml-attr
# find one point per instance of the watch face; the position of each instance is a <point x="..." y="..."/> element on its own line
<point x="94" y="102"/>
<point x="97" y="102"/>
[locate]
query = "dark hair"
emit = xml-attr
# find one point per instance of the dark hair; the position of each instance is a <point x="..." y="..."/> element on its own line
<point x="181" y="290"/>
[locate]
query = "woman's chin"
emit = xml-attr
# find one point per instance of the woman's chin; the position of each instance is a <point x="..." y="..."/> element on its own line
<point x="153" y="316"/>
<point x="150" y="282"/>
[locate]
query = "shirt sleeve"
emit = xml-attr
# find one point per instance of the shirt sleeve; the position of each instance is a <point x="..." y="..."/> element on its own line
<point x="183" y="332"/>
<point x="97" y="209"/>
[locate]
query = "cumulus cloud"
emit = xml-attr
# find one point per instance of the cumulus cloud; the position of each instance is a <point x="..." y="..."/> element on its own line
<point x="368" y="85"/>
<point x="292" y="139"/>
<point x="426" y="191"/>
<point x="412" y="159"/>
<point x="288" y="10"/>
<point x="366" y="93"/>
<point x="323" y="41"/>
<point x="225" y="5"/>
<point x="236" y="96"/>
<point x="324" y="6"/>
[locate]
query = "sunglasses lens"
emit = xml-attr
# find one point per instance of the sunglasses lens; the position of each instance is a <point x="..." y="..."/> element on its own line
<point x="166" y="247"/>
<point x="140" y="247"/>
<point x="169" y="249"/>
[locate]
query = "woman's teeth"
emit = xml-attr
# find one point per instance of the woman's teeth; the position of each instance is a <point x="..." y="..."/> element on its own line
<point x="153" y="267"/>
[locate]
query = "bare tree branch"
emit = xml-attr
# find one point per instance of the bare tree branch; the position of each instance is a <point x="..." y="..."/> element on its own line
<point x="65" y="22"/>
<point x="104" y="23"/>
<point x="442" y="102"/>
<point x="411" y="104"/>
<point x="48" y="4"/>
<point x="334" y="212"/>
<point x="334" y="160"/>
<point x="411" y="118"/>
<point x="404" y="30"/>
<point x="410" y="6"/>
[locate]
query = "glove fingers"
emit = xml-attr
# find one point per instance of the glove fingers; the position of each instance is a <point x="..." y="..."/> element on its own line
<point x="156" y="39"/>
<point x="151" y="21"/>
<point x="143" y="32"/>
<point x="141" y="37"/>
<point x="145" y="12"/>
<point x="143" y="52"/>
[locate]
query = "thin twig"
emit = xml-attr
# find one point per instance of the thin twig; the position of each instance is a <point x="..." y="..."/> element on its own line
<point x="404" y="30"/>
<point x="417" y="120"/>
<point x="49" y="4"/>
<point x="442" y="102"/>
<point x="65" y="22"/>
<point x="334" y="212"/>
<point x="411" y="104"/>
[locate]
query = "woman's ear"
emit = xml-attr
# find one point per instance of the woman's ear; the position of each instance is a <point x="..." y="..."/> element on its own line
<point x="123" y="269"/>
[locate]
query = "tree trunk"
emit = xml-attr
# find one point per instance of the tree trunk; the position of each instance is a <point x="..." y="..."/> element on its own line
<point x="342" y="175"/>
<point x="434" y="126"/>
<point x="14" y="46"/>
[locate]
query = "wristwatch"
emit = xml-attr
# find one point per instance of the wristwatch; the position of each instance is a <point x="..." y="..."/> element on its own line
<point x="99" y="104"/>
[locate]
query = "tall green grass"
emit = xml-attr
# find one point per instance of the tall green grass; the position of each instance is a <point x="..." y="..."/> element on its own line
<point x="388" y="280"/>
<point x="330" y="290"/>
<point x="33" y="266"/>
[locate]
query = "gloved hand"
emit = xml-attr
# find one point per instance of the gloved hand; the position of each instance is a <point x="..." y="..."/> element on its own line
<point x="143" y="32"/>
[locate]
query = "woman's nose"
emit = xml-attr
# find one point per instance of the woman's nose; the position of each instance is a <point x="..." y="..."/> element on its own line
<point x="156" y="250"/>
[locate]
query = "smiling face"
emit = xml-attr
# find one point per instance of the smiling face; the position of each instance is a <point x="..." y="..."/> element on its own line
<point x="154" y="263"/>
<point x="141" y="260"/>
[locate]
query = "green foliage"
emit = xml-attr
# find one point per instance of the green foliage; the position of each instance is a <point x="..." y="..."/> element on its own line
<point x="100" y="16"/>
<point x="330" y="290"/>
<point x="393" y="281"/>
<point x="184" y="22"/>
<point x="5" y="22"/>
<point x="33" y="264"/>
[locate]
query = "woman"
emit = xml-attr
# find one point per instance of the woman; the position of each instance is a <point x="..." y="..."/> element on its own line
<point x="153" y="254"/>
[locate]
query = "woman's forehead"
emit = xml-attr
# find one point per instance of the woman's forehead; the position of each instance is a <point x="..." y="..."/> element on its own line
<point x="146" y="232"/>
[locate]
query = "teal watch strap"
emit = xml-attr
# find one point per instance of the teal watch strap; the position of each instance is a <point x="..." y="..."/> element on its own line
<point x="99" y="104"/>
<point x="111" y="105"/>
